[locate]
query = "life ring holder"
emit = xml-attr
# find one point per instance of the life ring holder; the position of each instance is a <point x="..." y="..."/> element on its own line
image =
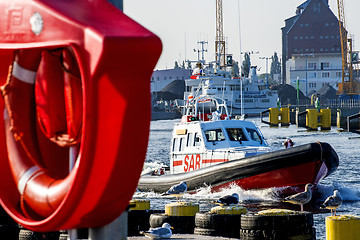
<point x="25" y="160"/>
<point x="106" y="45"/>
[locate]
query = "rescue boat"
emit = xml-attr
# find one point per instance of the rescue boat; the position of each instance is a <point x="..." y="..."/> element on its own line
<point x="210" y="148"/>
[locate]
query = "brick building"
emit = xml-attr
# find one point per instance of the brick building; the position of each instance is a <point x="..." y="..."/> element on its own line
<point x="311" y="48"/>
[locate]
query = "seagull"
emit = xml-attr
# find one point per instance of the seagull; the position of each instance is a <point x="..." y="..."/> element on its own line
<point x="333" y="202"/>
<point x="178" y="190"/>
<point x="301" y="198"/>
<point x="158" y="233"/>
<point x="229" y="199"/>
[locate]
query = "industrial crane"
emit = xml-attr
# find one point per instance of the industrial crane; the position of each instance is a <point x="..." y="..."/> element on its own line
<point x="350" y="60"/>
<point x="220" y="40"/>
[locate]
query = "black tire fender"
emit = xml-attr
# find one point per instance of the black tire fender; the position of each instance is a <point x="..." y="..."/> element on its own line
<point x="286" y="222"/>
<point x="138" y="220"/>
<point x="181" y="224"/>
<point x="206" y="231"/>
<point x="217" y="221"/>
<point x="308" y="233"/>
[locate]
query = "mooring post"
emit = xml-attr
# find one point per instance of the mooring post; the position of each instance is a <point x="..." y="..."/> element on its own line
<point x="114" y="230"/>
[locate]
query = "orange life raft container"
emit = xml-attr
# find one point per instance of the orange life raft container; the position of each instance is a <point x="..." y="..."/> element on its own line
<point x="74" y="71"/>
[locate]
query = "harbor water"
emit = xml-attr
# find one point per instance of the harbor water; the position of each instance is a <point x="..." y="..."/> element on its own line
<point x="346" y="178"/>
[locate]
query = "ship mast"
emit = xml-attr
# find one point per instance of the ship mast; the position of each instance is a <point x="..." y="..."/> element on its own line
<point x="220" y="41"/>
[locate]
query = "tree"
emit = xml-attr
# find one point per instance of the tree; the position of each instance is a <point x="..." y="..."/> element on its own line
<point x="275" y="67"/>
<point x="176" y="65"/>
<point x="263" y="77"/>
<point x="245" y="67"/>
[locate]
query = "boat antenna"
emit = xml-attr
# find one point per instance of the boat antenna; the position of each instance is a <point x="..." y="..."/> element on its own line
<point x="240" y="70"/>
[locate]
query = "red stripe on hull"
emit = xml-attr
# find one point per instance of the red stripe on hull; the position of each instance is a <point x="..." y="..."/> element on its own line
<point x="214" y="160"/>
<point x="295" y="176"/>
<point x="177" y="163"/>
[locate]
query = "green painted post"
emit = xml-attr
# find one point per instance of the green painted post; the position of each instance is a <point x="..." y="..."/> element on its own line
<point x="298" y="91"/>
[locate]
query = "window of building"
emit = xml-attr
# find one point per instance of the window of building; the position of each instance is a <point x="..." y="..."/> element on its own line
<point x="311" y="65"/>
<point x="326" y="84"/>
<point x="164" y="78"/>
<point x="325" y="65"/>
<point x="312" y="85"/>
<point x="158" y="78"/>
<point x="152" y="79"/>
<point x="325" y="75"/>
<point x="312" y="75"/>
<point x="170" y="77"/>
<point x="338" y="74"/>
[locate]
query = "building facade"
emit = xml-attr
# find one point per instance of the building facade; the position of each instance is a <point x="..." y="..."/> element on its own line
<point x="311" y="47"/>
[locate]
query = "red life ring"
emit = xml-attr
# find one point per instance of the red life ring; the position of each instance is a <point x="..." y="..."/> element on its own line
<point x="40" y="192"/>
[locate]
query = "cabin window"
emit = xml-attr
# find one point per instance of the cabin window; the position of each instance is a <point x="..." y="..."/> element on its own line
<point x="176" y="144"/>
<point x="236" y="134"/>
<point x="214" y="135"/>
<point x="173" y="144"/>
<point x="190" y="137"/>
<point x="181" y="144"/>
<point x="254" y="135"/>
<point x="197" y="140"/>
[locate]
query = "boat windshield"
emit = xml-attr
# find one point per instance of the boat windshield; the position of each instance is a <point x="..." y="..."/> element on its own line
<point x="214" y="135"/>
<point x="236" y="134"/>
<point x="254" y="135"/>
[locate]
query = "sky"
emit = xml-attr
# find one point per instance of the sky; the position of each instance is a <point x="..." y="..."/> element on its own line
<point x="181" y="24"/>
